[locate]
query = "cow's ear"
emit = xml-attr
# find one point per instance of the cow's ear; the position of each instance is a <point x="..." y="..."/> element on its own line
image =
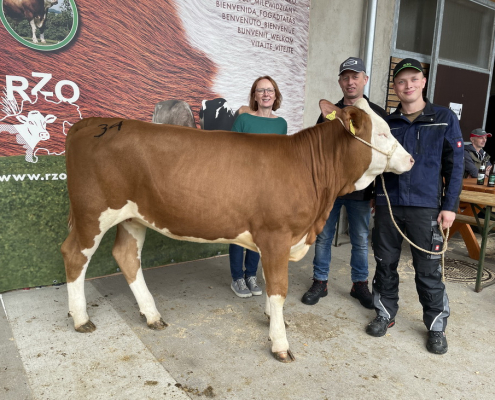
<point x="354" y="119"/>
<point x="328" y="108"/>
<point x="50" y="118"/>
<point x="22" y="118"/>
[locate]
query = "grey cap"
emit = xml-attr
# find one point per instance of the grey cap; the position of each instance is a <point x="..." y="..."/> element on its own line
<point x="479" y="133"/>
<point x="352" y="64"/>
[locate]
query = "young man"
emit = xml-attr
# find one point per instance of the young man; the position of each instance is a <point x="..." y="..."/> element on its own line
<point x="352" y="80"/>
<point x="421" y="199"/>
<point x="474" y="154"/>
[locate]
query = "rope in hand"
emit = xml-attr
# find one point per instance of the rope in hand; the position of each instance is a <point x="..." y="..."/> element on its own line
<point x="444" y="236"/>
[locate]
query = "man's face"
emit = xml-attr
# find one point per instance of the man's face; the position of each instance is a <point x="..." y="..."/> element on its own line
<point x="478" y="142"/>
<point x="352" y="84"/>
<point x="408" y="85"/>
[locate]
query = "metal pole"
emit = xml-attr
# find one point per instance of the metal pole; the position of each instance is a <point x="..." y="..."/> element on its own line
<point x="370" y="39"/>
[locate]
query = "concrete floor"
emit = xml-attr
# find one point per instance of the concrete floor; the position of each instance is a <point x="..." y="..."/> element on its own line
<point x="216" y="343"/>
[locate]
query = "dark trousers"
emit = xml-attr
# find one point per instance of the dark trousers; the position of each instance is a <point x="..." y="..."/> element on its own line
<point x="420" y="226"/>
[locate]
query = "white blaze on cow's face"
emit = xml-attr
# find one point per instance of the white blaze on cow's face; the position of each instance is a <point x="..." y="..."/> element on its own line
<point x="381" y="138"/>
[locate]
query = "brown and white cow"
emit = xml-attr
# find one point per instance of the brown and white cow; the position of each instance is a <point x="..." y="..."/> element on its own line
<point x="35" y="11"/>
<point x="268" y="193"/>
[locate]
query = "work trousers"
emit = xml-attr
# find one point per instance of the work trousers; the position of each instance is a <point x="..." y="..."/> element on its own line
<point x="420" y="226"/>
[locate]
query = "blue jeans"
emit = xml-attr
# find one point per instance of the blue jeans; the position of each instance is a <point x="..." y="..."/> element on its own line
<point x="236" y="254"/>
<point x="358" y="213"/>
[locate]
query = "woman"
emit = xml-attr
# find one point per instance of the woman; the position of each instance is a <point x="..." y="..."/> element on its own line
<point x="264" y="98"/>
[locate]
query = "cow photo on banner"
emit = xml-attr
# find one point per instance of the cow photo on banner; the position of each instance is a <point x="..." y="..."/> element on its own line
<point x="185" y="62"/>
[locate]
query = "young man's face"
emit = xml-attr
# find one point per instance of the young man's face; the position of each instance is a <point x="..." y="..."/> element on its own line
<point x="352" y="84"/>
<point x="478" y="142"/>
<point x="408" y="86"/>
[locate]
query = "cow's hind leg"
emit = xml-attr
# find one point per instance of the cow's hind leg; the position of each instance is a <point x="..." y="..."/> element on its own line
<point x="275" y="260"/>
<point x="76" y="260"/>
<point x="127" y="251"/>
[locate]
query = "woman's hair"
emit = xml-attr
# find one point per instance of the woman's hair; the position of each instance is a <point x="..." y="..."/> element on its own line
<point x="253" y="104"/>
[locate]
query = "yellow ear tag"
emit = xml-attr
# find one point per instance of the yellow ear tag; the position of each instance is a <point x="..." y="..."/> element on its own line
<point x="351" y="128"/>
<point x="331" y="116"/>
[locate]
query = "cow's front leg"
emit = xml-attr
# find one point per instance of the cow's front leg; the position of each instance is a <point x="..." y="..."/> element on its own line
<point x="127" y="252"/>
<point x="275" y="260"/>
<point x="33" y="29"/>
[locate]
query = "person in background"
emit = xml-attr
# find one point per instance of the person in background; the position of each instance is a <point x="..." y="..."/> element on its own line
<point x="474" y="154"/>
<point x="264" y="98"/>
<point x="422" y="199"/>
<point x="352" y="80"/>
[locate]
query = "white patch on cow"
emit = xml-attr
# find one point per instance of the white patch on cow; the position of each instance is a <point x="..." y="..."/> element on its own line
<point x="138" y="232"/>
<point x="381" y="138"/>
<point x="77" y="299"/>
<point x="299" y="250"/>
<point x="139" y="288"/>
<point x="110" y="217"/>
<point x="144" y="299"/>
<point x="267" y="304"/>
<point x="277" y="326"/>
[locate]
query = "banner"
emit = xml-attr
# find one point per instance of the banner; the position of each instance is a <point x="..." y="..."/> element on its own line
<point x="65" y="60"/>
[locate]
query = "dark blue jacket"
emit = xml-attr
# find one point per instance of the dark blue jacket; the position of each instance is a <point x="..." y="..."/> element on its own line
<point x="434" y="139"/>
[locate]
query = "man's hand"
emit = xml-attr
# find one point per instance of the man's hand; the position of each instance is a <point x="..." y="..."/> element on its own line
<point x="487" y="172"/>
<point x="446" y="219"/>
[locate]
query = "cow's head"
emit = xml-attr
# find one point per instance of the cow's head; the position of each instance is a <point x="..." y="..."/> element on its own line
<point x="35" y="124"/>
<point x="391" y="156"/>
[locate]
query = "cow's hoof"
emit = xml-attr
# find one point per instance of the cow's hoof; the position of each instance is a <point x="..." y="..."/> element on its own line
<point x="158" y="325"/>
<point x="86" y="328"/>
<point x="284" y="356"/>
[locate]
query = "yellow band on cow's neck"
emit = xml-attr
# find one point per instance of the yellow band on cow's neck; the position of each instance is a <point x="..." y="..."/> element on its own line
<point x="351" y="128"/>
<point x="331" y="116"/>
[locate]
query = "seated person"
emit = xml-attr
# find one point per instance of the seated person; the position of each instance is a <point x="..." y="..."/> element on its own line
<point x="474" y="154"/>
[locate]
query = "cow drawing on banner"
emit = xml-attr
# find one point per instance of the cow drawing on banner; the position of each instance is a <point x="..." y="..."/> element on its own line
<point x="30" y="132"/>
<point x="35" y="11"/>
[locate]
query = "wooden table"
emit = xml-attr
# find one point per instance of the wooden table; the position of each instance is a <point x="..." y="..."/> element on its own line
<point x="473" y="197"/>
<point x="472" y="245"/>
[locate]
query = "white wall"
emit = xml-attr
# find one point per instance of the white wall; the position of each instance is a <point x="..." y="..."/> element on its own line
<point x="337" y="31"/>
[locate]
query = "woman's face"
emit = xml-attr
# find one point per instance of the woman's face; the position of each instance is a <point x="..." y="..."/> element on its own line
<point x="265" y="94"/>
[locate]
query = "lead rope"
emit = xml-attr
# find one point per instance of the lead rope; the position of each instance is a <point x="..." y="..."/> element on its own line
<point x="445" y="237"/>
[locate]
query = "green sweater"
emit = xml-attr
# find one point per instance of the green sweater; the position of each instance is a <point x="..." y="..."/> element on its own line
<point x="253" y="124"/>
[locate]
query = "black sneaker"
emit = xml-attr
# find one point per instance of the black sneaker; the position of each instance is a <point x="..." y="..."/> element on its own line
<point x="378" y="327"/>
<point x="437" y="342"/>
<point x="361" y="292"/>
<point x="318" y="289"/>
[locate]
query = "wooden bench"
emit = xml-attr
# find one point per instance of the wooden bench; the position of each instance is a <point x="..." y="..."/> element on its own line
<point x="466" y="219"/>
